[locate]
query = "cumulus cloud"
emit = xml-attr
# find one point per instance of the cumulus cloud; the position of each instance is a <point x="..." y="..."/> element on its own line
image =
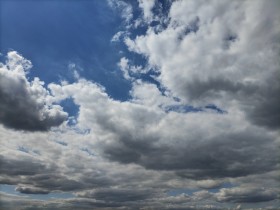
<point x="211" y="145"/>
<point x="213" y="53"/>
<point x="134" y="154"/>
<point x="25" y="105"/>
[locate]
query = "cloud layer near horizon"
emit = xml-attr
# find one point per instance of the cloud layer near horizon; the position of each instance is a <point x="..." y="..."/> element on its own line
<point x="208" y="125"/>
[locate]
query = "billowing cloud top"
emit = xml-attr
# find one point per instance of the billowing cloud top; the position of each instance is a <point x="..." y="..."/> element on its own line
<point x="199" y="131"/>
<point x="25" y="105"/>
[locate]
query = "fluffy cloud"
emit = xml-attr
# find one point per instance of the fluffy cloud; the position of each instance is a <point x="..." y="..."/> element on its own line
<point x="191" y="146"/>
<point x="135" y="154"/>
<point x="211" y="145"/>
<point x="218" y="53"/>
<point x="25" y="105"/>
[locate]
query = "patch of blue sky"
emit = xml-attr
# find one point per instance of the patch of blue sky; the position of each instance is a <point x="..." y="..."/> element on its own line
<point x="28" y="150"/>
<point x="56" y="195"/>
<point x="72" y="121"/>
<point x="136" y="59"/>
<point x="231" y="37"/>
<point x="53" y="34"/>
<point x="179" y="191"/>
<point x="85" y="131"/>
<point x="23" y="149"/>
<point x="189" y="108"/>
<point x="89" y="152"/>
<point x="182" y="109"/>
<point x="163" y="8"/>
<point x="148" y="75"/>
<point x="2" y="57"/>
<point x="62" y="143"/>
<point x="215" y="108"/>
<point x="224" y="185"/>
<point x="70" y="107"/>
<point x="193" y="27"/>
<point x="10" y="189"/>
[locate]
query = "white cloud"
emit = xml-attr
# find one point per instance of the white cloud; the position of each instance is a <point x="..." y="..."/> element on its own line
<point x="130" y="71"/>
<point x="218" y="53"/>
<point x="125" y="9"/>
<point x="136" y="150"/>
<point x="147" y="6"/>
<point x="119" y="36"/>
<point x="141" y="132"/>
<point x="123" y="64"/>
<point x="25" y="104"/>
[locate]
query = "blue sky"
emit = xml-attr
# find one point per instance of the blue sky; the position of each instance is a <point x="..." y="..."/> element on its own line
<point x="139" y="104"/>
<point x="54" y="34"/>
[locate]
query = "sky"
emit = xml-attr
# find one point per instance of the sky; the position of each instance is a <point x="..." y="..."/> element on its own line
<point x="141" y="104"/>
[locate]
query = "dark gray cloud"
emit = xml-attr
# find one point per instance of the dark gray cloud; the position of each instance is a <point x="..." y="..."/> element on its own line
<point x="229" y="155"/>
<point x="41" y="178"/>
<point x="213" y="87"/>
<point x="118" y="195"/>
<point x="55" y="181"/>
<point x="22" y="113"/>
<point x="21" y="166"/>
<point x="260" y="102"/>
<point x="265" y="111"/>
<point x="31" y="190"/>
<point x="23" y="104"/>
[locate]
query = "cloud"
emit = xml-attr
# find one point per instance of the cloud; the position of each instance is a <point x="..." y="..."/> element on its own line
<point x="117" y="195"/>
<point x="213" y="145"/>
<point x="124" y="8"/>
<point x="128" y="70"/>
<point x="133" y="154"/>
<point x="147" y="7"/>
<point x="246" y="195"/>
<point x="120" y="35"/>
<point x="23" y="203"/>
<point x="25" y="105"/>
<point x="214" y="54"/>
<point x="31" y="190"/>
<point x="209" y="184"/>
<point x="123" y="64"/>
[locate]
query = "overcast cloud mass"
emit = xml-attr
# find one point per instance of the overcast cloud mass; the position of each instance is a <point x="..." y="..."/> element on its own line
<point x="198" y="129"/>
